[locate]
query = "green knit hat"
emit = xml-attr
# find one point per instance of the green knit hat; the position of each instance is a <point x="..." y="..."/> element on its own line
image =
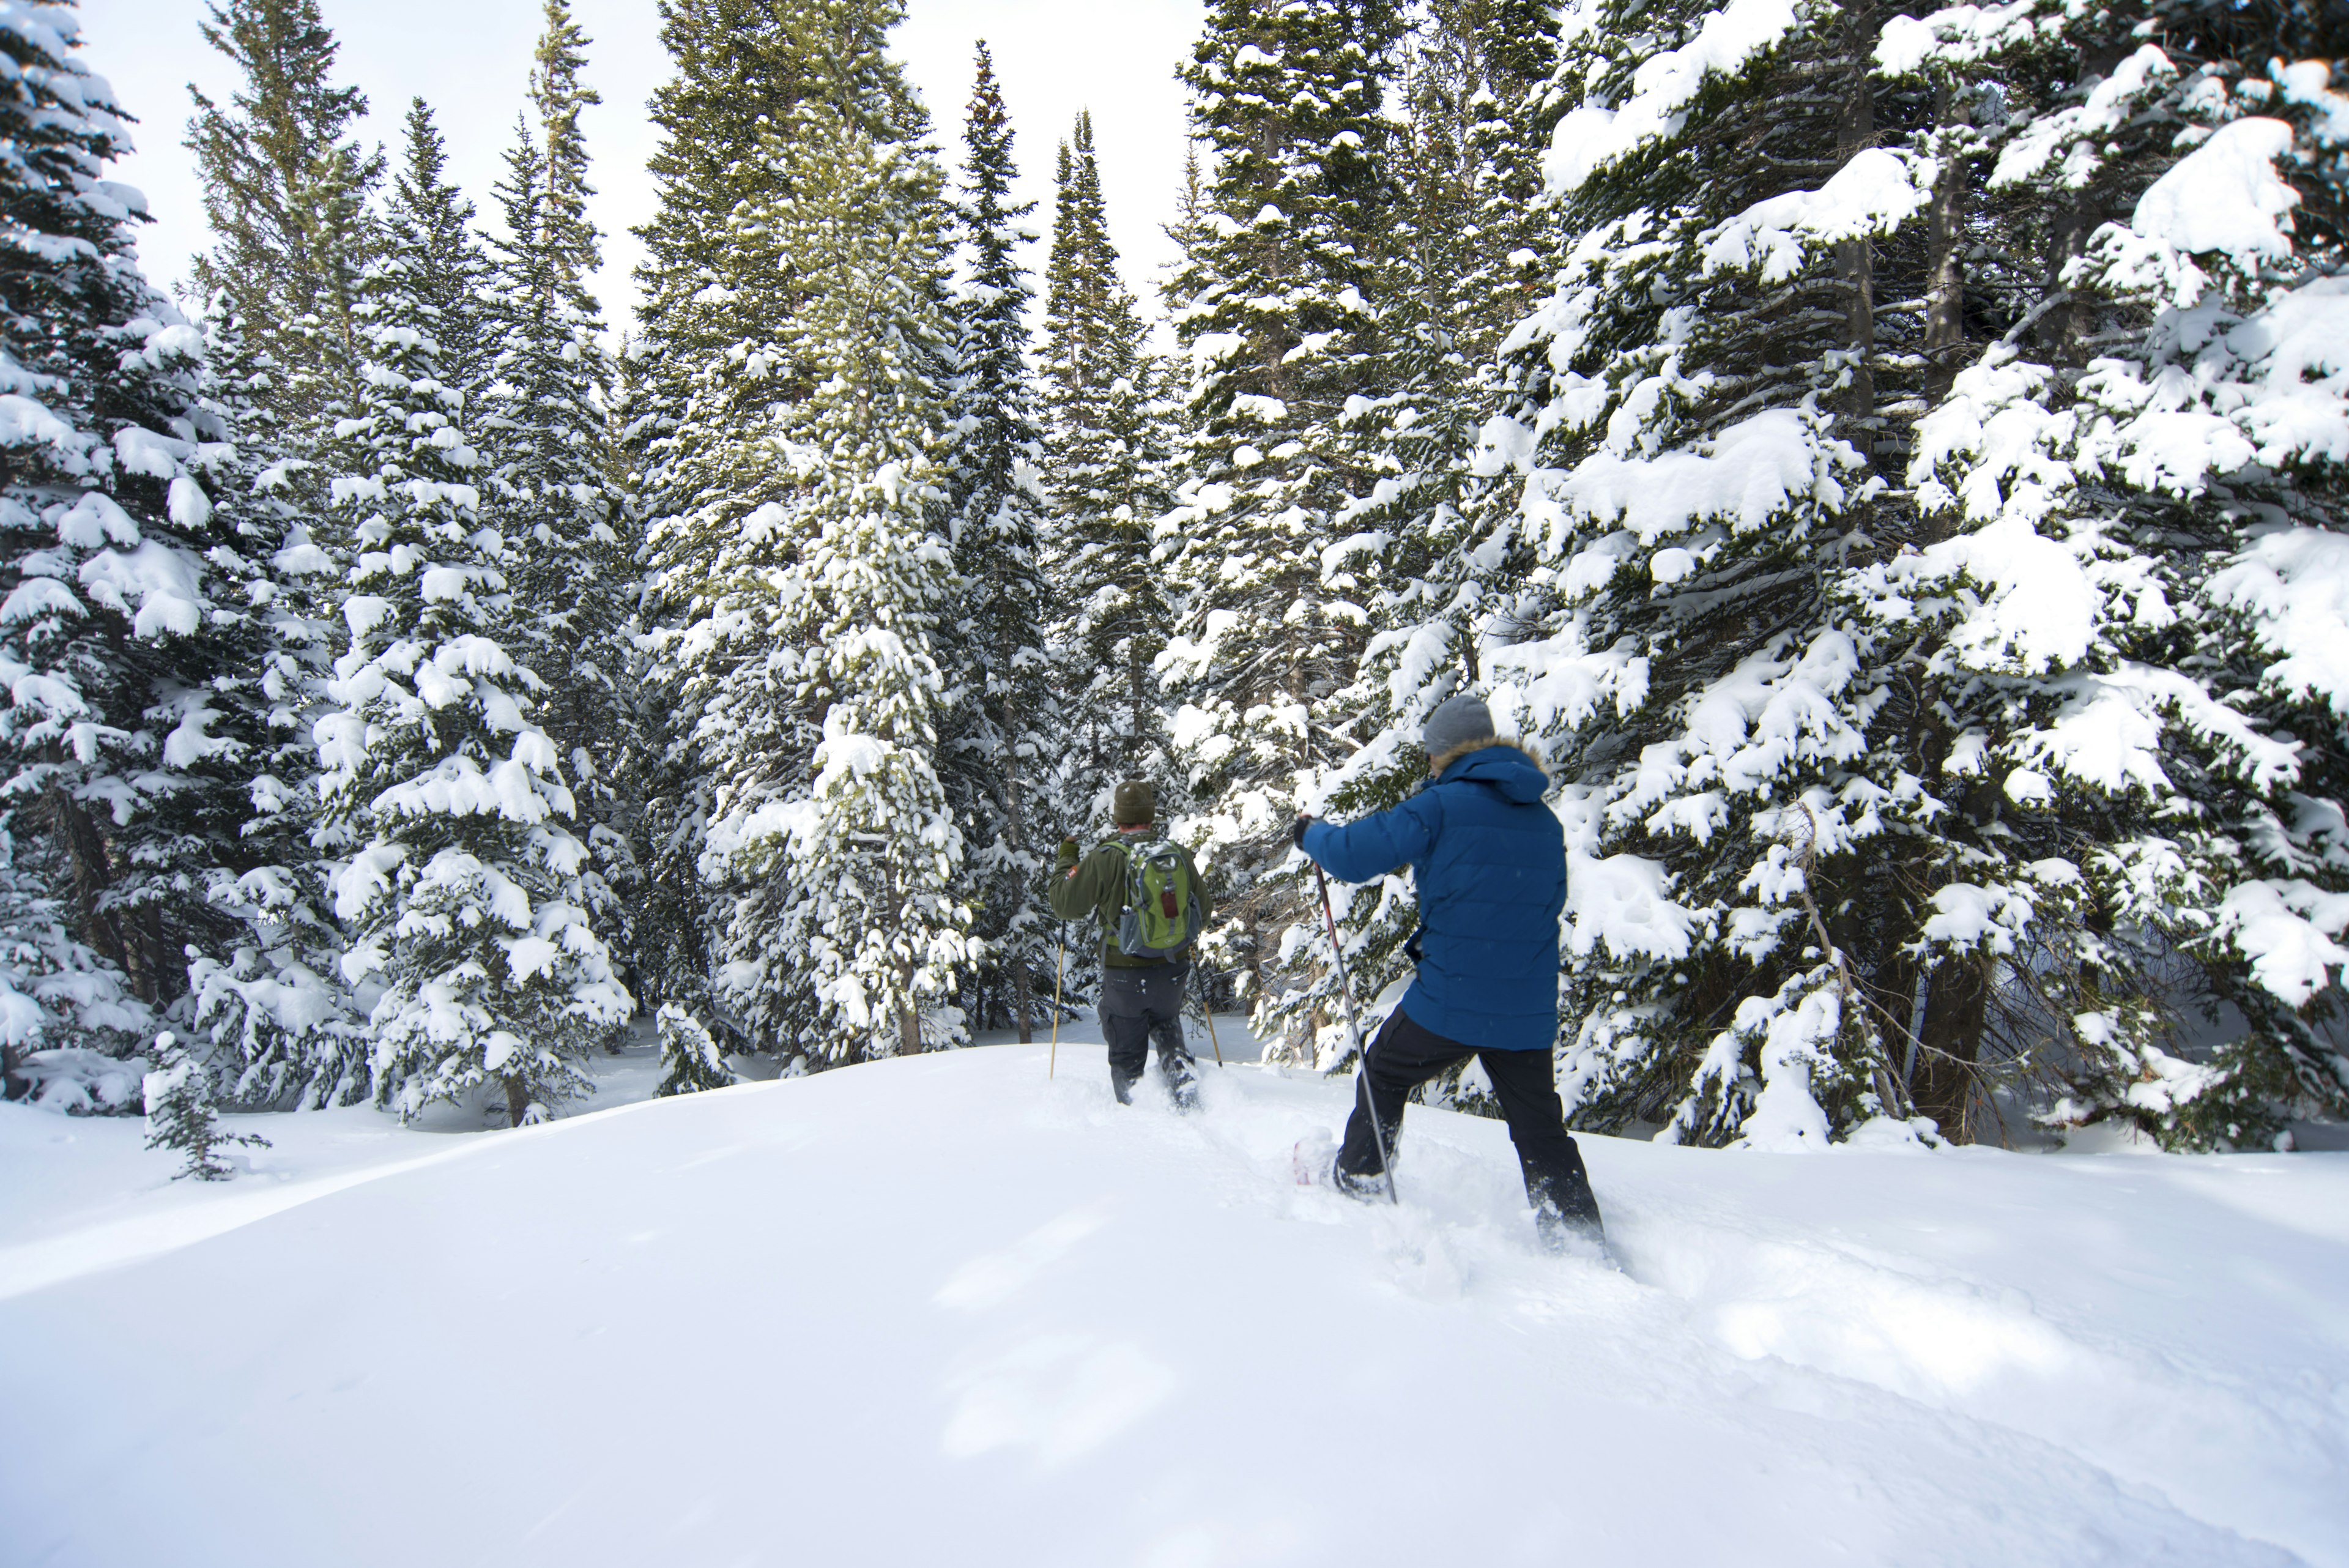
<point x="1135" y="805"/>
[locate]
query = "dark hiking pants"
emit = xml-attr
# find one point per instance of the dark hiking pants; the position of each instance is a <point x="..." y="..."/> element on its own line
<point x="1405" y="1055"/>
<point x="1139" y="1006"/>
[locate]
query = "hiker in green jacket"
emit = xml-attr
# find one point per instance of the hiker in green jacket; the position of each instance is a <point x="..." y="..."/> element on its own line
<point x="1147" y="894"/>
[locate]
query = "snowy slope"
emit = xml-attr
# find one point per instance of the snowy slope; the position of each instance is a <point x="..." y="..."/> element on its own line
<point x="944" y="1311"/>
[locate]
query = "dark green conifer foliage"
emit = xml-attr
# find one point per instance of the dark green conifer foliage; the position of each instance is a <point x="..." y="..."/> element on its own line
<point x="1006" y="726"/>
<point x="798" y="574"/>
<point x="281" y="1028"/>
<point x="547" y="435"/>
<point x="1469" y="238"/>
<point x="1280" y="300"/>
<point x="1110" y="462"/>
<point x="1651" y="344"/>
<point x="2136" y="996"/>
<point x="431" y="220"/>
<point x="287" y="191"/>
<point x="181" y="1116"/>
<point x="117" y="643"/>
<point x="711" y="283"/>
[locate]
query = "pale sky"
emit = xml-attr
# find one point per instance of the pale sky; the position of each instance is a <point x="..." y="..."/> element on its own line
<point x="470" y="60"/>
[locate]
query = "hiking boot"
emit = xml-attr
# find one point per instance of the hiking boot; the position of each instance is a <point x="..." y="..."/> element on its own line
<point x="1570" y="1236"/>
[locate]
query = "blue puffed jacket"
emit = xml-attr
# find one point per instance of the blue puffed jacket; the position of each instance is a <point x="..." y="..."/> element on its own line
<point x="1489" y="861"/>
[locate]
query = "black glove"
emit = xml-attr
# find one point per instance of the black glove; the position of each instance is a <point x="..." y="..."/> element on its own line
<point x="1297" y="831"/>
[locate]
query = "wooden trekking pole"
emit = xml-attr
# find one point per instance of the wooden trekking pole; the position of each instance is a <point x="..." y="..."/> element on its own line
<point x="1060" y="967"/>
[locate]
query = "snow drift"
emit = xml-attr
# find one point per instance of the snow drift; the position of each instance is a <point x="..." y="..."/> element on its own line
<point x="943" y="1310"/>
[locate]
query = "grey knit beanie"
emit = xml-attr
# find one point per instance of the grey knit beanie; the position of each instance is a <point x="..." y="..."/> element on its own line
<point x="1455" y="723"/>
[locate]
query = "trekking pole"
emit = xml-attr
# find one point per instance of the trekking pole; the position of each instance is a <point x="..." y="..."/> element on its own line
<point x="1207" y="1011"/>
<point x="1060" y="967"/>
<point x="1346" y="993"/>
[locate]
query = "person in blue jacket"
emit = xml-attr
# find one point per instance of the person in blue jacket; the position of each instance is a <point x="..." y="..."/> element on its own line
<point x="1488" y="860"/>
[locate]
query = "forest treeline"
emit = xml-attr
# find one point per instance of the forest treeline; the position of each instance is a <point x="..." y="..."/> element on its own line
<point x="1888" y="460"/>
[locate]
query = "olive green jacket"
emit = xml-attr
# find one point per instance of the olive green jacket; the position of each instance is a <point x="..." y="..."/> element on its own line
<point x="1096" y="886"/>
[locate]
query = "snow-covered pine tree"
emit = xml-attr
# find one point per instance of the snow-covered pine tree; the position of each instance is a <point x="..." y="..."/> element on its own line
<point x="450" y="273"/>
<point x="181" y="1116"/>
<point x="1468" y="233"/>
<point x="2141" y="484"/>
<point x="1278" y="301"/>
<point x="280" y="1027"/>
<point x="1111" y="462"/>
<point x="118" y="648"/>
<point x="462" y="881"/>
<point x="1712" y="414"/>
<point x="545" y="432"/>
<point x="701" y="378"/>
<point x="286" y="190"/>
<point x="1006" y="726"/>
<point x="66" y="1017"/>
<point x="846" y="929"/>
<point x="691" y="1060"/>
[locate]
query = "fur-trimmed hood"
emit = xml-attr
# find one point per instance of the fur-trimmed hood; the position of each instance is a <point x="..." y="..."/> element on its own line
<point x="1517" y="771"/>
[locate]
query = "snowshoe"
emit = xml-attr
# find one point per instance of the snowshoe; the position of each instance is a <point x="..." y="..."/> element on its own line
<point x="1314" y="1160"/>
<point x="1580" y="1238"/>
<point x="1315" y="1163"/>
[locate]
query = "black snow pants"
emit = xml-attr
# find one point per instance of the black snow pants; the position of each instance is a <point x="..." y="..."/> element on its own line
<point x="1139" y="1006"/>
<point x="1405" y="1055"/>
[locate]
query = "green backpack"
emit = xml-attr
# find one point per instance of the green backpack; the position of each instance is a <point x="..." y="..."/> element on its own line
<point x="1161" y="915"/>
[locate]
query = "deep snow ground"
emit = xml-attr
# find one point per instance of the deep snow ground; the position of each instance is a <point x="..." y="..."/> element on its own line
<point x="944" y="1311"/>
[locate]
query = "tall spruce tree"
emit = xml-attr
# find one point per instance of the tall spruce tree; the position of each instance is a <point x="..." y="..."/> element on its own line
<point x="1469" y="234"/>
<point x="1711" y="417"/>
<point x="286" y="190"/>
<point x="803" y="588"/>
<point x="2121" y="602"/>
<point x="1002" y="736"/>
<point x="1278" y="299"/>
<point x="1112" y="444"/>
<point x="711" y="285"/>
<point x="270" y="1019"/>
<point x="450" y="273"/>
<point x="122" y="641"/>
<point x="1111" y="462"/>
<point x="551" y="486"/>
<point x="1865" y="710"/>
<point x="462" y="882"/>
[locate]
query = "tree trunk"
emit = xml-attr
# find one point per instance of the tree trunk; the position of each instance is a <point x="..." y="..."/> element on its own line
<point x="1945" y="288"/>
<point x="92" y="872"/>
<point x="1022" y="1003"/>
<point x="2060" y="329"/>
<point x="1856" y="259"/>
<point x="517" y="1102"/>
<point x="1139" y="723"/>
<point x="1950" y="1046"/>
<point x="909" y="1018"/>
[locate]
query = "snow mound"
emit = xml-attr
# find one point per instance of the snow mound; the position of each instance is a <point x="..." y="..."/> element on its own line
<point x="949" y="1310"/>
